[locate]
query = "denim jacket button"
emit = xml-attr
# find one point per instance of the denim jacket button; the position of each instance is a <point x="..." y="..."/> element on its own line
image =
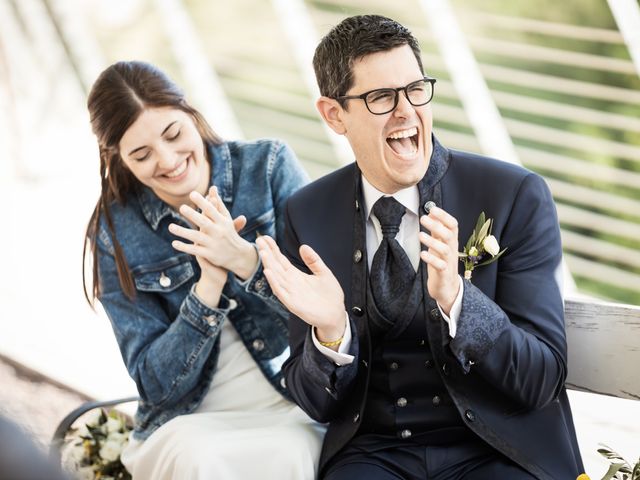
<point x="164" y="280"/>
<point x="232" y="304"/>
<point x="258" y="345"/>
<point x="211" y="320"/>
<point x="260" y="285"/>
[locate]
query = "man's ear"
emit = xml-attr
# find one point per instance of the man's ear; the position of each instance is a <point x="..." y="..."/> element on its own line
<point x="331" y="112"/>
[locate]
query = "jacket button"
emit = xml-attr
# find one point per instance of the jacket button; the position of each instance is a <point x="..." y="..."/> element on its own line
<point x="357" y="256"/>
<point x="435" y="313"/>
<point x="258" y="345"/>
<point x="401" y="402"/>
<point x="165" y="281"/>
<point x="232" y="304"/>
<point x="357" y="311"/>
<point x="428" y="364"/>
<point x="470" y="415"/>
<point x="394" y="366"/>
<point x="406" y="433"/>
<point x="435" y="400"/>
<point x="365" y="364"/>
<point x="445" y="369"/>
<point x="356" y="417"/>
<point x="260" y="284"/>
<point x="428" y="206"/>
<point x="211" y="320"/>
<point x="283" y="383"/>
<point x="421" y="343"/>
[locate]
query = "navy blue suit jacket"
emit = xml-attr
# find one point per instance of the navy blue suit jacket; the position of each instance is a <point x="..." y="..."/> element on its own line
<point x="506" y="367"/>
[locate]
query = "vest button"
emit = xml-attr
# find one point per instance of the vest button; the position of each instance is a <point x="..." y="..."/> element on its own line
<point x="394" y="366"/>
<point x="435" y="400"/>
<point x="421" y="343"/>
<point x="406" y="433"/>
<point x="428" y="206"/>
<point x="357" y="256"/>
<point x="401" y="402"/>
<point x="365" y="364"/>
<point x="470" y="415"/>
<point x="445" y="369"/>
<point x="428" y="364"/>
<point x="357" y="311"/>
<point x="356" y="417"/>
<point x="258" y="345"/>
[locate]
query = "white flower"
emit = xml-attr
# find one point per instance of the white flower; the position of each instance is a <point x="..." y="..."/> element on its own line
<point x="84" y="473"/>
<point x="113" y="425"/>
<point x="490" y="244"/>
<point x="473" y="252"/>
<point x="110" y="451"/>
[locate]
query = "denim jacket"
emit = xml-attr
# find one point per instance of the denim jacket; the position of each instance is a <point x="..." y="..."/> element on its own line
<point x="168" y="338"/>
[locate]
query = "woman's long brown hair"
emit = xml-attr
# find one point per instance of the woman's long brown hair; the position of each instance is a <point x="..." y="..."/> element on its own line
<point x="117" y="98"/>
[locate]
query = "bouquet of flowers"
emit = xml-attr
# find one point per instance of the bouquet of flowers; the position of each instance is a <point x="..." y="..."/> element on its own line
<point x="93" y="450"/>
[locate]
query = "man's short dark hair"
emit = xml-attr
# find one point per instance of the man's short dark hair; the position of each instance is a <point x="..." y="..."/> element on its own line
<point x="352" y="39"/>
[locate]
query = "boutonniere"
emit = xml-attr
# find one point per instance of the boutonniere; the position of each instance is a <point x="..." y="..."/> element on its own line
<point x="482" y="248"/>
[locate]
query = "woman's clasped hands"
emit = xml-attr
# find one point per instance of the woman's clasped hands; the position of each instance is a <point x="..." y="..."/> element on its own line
<point x="216" y="244"/>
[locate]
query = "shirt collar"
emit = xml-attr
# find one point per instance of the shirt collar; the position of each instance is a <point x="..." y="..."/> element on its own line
<point x="409" y="197"/>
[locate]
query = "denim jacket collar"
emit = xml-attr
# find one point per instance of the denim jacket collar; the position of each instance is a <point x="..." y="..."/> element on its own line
<point x="155" y="209"/>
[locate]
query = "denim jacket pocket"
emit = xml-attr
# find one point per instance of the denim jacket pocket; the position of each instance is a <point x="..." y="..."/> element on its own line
<point x="164" y="276"/>
<point x="263" y="224"/>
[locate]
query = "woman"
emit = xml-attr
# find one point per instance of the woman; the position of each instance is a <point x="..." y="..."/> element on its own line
<point x="199" y="330"/>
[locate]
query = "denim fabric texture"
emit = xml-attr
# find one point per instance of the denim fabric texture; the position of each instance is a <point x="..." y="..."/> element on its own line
<point x="168" y="338"/>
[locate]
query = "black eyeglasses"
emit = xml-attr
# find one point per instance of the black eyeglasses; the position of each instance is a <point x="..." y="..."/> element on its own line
<point x="385" y="100"/>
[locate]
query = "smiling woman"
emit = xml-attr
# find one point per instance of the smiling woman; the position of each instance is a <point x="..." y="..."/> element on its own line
<point x="176" y="270"/>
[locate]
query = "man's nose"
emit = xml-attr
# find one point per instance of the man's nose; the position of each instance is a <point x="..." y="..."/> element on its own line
<point x="404" y="107"/>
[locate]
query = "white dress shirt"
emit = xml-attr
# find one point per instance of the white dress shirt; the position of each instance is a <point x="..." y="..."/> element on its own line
<point x="407" y="237"/>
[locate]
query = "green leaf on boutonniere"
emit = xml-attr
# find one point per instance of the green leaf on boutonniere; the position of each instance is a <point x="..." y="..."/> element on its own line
<point x="484" y="230"/>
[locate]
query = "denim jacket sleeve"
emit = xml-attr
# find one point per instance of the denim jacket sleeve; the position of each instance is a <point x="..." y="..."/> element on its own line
<point x="165" y="356"/>
<point x="285" y="177"/>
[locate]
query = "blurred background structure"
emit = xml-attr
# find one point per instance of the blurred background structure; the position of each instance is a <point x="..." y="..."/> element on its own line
<point x="552" y="85"/>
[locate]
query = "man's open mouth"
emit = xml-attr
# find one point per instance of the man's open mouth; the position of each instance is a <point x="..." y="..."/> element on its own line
<point x="404" y="142"/>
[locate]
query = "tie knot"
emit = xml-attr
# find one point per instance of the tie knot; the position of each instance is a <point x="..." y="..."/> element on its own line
<point x="389" y="212"/>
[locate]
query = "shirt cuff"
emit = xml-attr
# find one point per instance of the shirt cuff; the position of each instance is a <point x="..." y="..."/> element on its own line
<point x="341" y="357"/>
<point x="456" y="308"/>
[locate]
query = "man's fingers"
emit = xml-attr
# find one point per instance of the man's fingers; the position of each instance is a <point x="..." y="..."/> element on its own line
<point x="443" y="217"/>
<point x="312" y="260"/>
<point x="435" y="246"/>
<point x="277" y="288"/>
<point x="438" y="229"/>
<point x="434" y="261"/>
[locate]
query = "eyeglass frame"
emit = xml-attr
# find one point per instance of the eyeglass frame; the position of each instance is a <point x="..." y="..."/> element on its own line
<point x="397" y="91"/>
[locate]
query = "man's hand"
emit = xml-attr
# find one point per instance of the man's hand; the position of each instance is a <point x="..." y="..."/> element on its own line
<point x="442" y="256"/>
<point x="317" y="298"/>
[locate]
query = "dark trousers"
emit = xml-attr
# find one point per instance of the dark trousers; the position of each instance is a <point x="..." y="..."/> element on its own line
<point x="372" y="457"/>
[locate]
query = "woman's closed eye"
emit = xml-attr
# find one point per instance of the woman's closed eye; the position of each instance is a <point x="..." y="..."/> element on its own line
<point x="174" y="137"/>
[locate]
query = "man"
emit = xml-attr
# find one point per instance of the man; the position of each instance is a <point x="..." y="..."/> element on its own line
<point x="426" y="375"/>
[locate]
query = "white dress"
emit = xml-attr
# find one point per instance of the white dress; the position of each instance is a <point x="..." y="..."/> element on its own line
<point x="244" y="429"/>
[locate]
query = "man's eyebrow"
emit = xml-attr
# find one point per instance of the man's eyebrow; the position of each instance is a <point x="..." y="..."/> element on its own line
<point x="163" y="132"/>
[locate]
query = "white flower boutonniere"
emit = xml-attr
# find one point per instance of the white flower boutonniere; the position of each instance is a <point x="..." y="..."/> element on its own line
<point x="482" y="248"/>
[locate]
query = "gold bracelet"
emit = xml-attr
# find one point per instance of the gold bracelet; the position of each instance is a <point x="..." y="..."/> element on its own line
<point x="330" y="344"/>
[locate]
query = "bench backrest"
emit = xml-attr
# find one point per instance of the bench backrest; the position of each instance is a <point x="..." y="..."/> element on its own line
<point x="604" y="347"/>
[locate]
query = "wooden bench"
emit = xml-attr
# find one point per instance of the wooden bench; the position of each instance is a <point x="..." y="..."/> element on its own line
<point x="604" y="354"/>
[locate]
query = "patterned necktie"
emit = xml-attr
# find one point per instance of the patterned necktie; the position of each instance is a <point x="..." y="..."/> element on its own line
<point x="392" y="274"/>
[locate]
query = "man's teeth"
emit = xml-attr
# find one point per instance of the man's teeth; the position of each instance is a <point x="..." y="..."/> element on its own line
<point x="404" y="133"/>
<point x="177" y="171"/>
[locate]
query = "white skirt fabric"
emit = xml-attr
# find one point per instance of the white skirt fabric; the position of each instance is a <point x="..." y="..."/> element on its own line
<point x="243" y="430"/>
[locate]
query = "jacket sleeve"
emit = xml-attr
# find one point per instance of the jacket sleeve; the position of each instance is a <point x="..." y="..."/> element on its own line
<point x="286" y="176"/>
<point x="517" y="341"/>
<point x="319" y="386"/>
<point x="165" y="356"/>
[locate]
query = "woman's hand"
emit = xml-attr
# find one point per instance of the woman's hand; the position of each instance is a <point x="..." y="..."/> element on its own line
<point x="216" y="240"/>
